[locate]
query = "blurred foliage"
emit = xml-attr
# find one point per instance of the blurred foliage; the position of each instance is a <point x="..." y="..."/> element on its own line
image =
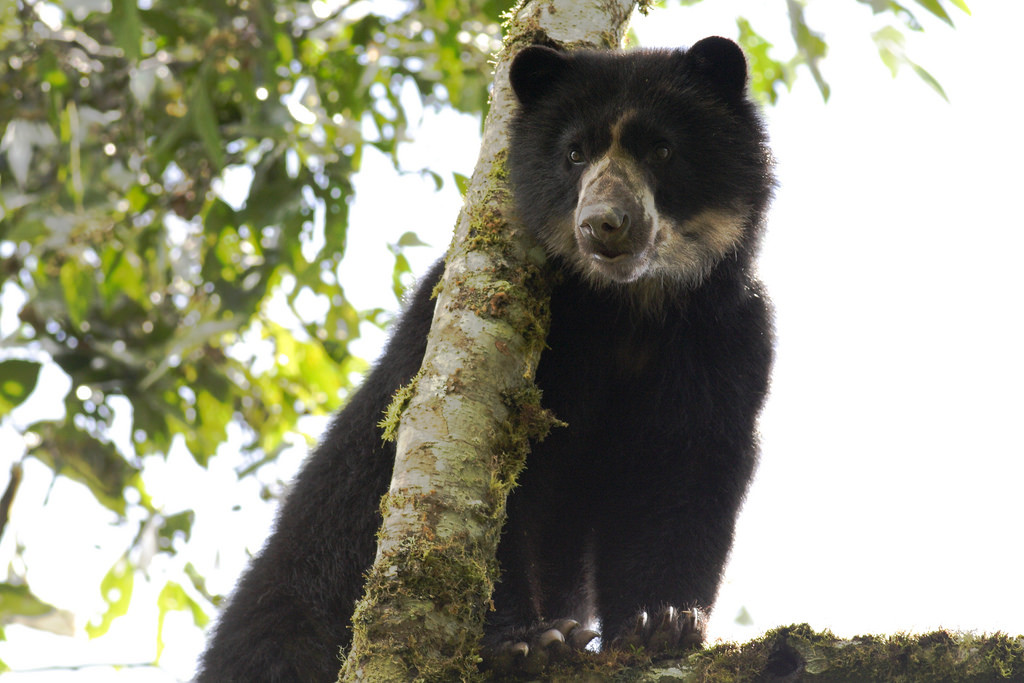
<point x="173" y="178"/>
<point x="769" y="74"/>
<point x="126" y="128"/>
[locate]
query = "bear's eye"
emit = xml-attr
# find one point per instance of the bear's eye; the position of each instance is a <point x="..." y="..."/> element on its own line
<point x="576" y="156"/>
<point x="661" y="152"/>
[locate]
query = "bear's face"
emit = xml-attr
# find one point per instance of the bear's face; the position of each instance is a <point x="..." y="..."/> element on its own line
<point x="638" y="167"/>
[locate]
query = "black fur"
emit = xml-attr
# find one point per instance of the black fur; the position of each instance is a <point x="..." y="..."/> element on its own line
<point x="630" y="507"/>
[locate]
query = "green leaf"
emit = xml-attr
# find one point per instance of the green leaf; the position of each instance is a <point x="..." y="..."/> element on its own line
<point x="170" y="136"/>
<point x="929" y="79"/>
<point x="122" y="276"/>
<point x="212" y="418"/>
<point x="17" y="380"/>
<point x="461" y="182"/>
<point x="76" y="280"/>
<point x="283" y="43"/>
<point x="935" y="8"/>
<point x="116" y="588"/>
<point x="199" y="583"/>
<point x="172" y="524"/>
<point x="879" y="6"/>
<point x="18" y="605"/>
<point x="174" y="597"/>
<point x="125" y="25"/>
<point x="890" y="42"/>
<point x="892" y="50"/>
<point x="435" y="176"/>
<point x="204" y="120"/>
<point x="82" y="457"/>
<point x="765" y="72"/>
<point x="401" y="268"/>
<point x="411" y="239"/>
<point x="19" y="600"/>
<point x="811" y="47"/>
<point x="56" y="79"/>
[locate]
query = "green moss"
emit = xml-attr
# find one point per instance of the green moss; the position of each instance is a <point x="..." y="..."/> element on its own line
<point x="430" y="618"/>
<point x="527" y="421"/>
<point x="1005" y="654"/>
<point x="532" y="421"/>
<point x="800" y="653"/>
<point x="899" y="658"/>
<point x="515" y="289"/>
<point x="393" y="413"/>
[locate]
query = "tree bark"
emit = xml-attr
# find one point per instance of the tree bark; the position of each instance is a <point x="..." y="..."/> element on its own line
<point x="464" y="422"/>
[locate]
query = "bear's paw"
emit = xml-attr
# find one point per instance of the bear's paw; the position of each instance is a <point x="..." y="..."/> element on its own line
<point x="533" y="649"/>
<point x="663" y="630"/>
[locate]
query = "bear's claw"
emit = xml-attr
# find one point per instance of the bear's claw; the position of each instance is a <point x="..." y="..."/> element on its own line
<point x="540" y="646"/>
<point x="666" y="629"/>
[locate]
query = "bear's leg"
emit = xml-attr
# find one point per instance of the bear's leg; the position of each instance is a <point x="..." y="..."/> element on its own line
<point x="659" y="564"/>
<point x="543" y="600"/>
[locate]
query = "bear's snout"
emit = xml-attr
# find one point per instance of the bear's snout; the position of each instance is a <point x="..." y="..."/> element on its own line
<point x="607" y="228"/>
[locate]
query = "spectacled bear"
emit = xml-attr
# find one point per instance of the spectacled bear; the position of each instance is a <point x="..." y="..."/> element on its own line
<point x="646" y="176"/>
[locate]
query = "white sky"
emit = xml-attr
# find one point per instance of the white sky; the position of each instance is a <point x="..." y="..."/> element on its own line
<point x="889" y="495"/>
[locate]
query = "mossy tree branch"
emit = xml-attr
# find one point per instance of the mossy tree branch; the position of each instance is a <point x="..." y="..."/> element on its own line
<point x="798" y="653"/>
<point x="465" y="422"/>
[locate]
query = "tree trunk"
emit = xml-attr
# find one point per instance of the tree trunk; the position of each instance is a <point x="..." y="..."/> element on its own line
<point x="464" y="422"/>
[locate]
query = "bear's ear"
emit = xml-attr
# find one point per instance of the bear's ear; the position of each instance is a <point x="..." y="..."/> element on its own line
<point x="535" y="71"/>
<point x="719" y="62"/>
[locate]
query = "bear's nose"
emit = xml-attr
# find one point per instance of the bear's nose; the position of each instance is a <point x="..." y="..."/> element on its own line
<point x="604" y="223"/>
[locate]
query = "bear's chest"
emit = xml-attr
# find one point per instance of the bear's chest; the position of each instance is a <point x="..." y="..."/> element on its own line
<point x="590" y="363"/>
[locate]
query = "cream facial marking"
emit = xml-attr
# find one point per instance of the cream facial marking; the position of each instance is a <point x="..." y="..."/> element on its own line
<point x="690" y="249"/>
<point x="616" y="221"/>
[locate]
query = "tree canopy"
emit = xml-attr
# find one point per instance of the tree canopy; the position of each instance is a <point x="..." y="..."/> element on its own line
<point x="167" y="171"/>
